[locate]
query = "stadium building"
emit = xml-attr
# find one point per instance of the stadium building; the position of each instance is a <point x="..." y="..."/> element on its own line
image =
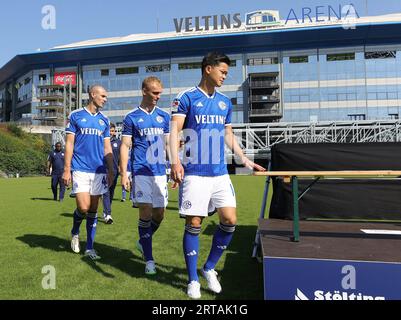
<point x="320" y="64"/>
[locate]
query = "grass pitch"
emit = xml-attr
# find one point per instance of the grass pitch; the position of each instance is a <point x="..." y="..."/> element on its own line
<point x="35" y="233"/>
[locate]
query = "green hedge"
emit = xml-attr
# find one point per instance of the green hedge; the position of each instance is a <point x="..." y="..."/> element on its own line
<point x="22" y="152"/>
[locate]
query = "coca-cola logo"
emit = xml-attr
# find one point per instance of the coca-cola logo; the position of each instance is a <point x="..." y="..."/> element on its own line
<point x="66" y="78"/>
<point x="63" y="78"/>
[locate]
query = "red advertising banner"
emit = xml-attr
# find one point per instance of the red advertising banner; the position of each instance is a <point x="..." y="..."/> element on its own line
<point x="65" y="78"/>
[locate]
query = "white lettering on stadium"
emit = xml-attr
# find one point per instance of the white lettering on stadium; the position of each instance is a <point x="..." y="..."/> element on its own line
<point x="91" y="131"/>
<point x="210" y="119"/>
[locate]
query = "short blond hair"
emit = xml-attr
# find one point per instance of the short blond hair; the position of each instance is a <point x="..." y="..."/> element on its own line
<point x="151" y="79"/>
<point x="94" y="88"/>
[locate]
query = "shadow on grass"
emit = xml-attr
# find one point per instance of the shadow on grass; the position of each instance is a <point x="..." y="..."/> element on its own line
<point x="121" y="259"/>
<point x="241" y="277"/>
<point x="67" y="214"/>
<point x="43" y="199"/>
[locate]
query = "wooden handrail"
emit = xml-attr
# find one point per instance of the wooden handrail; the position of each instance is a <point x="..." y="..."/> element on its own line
<point x="339" y="173"/>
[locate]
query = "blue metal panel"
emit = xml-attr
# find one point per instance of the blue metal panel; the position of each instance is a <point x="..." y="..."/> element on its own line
<point x="320" y="279"/>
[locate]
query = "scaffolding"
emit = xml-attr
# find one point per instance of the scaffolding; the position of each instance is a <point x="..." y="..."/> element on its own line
<point x="58" y="135"/>
<point x="56" y="101"/>
<point x="256" y="139"/>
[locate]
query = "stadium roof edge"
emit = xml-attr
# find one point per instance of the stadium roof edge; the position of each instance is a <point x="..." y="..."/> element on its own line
<point x="202" y="36"/>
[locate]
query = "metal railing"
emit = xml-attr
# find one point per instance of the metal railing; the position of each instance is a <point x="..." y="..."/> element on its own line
<point x="50" y="95"/>
<point x="48" y="116"/>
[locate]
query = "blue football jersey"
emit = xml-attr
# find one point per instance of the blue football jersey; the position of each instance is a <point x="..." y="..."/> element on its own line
<point x="115" y="146"/>
<point x="147" y="132"/>
<point x="57" y="162"/>
<point x="90" y="131"/>
<point x="204" y="129"/>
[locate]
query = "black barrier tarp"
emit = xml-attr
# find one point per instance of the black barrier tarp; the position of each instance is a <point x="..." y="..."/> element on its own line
<point x="338" y="198"/>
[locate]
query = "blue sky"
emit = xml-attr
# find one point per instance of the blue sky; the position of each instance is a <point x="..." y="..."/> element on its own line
<point x="77" y="20"/>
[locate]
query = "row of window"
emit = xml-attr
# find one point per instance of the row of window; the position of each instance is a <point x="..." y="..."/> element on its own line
<point x="324" y="115"/>
<point x="391" y="90"/>
<point x="250" y="62"/>
<point x="23" y="83"/>
<point x="24" y="90"/>
<point x="362" y="116"/>
<point x="157" y="68"/>
<point x="348" y="56"/>
<point x="258" y="61"/>
<point x="329" y="57"/>
<point x="345" y="96"/>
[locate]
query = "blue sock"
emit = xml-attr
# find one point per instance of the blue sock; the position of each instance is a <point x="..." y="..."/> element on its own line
<point x="191" y="251"/>
<point x="155" y="225"/>
<point x="91" y="224"/>
<point x="145" y="238"/>
<point x="221" y="240"/>
<point x="106" y="204"/>
<point x="77" y="220"/>
<point x="123" y="193"/>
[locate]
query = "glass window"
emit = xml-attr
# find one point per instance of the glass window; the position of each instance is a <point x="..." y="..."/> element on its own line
<point x="357" y="116"/>
<point x="189" y="65"/>
<point x="299" y="59"/>
<point x="380" y="55"/>
<point x="104" y="72"/>
<point x="332" y="97"/>
<point x="198" y="65"/>
<point x="304" y="98"/>
<point x="340" y="56"/>
<point x="262" y="61"/>
<point x="341" y="96"/>
<point x="158" y="68"/>
<point x="381" y="95"/>
<point x="127" y="70"/>
<point x="113" y="85"/>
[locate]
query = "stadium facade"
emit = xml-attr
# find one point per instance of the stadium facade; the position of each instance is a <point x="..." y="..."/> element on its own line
<point x="321" y="64"/>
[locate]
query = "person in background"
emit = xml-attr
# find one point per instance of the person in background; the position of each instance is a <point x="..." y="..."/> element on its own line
<point x="129" y="175"/>
<point x="55" y="167"/>
<point x="108" y="196"/>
